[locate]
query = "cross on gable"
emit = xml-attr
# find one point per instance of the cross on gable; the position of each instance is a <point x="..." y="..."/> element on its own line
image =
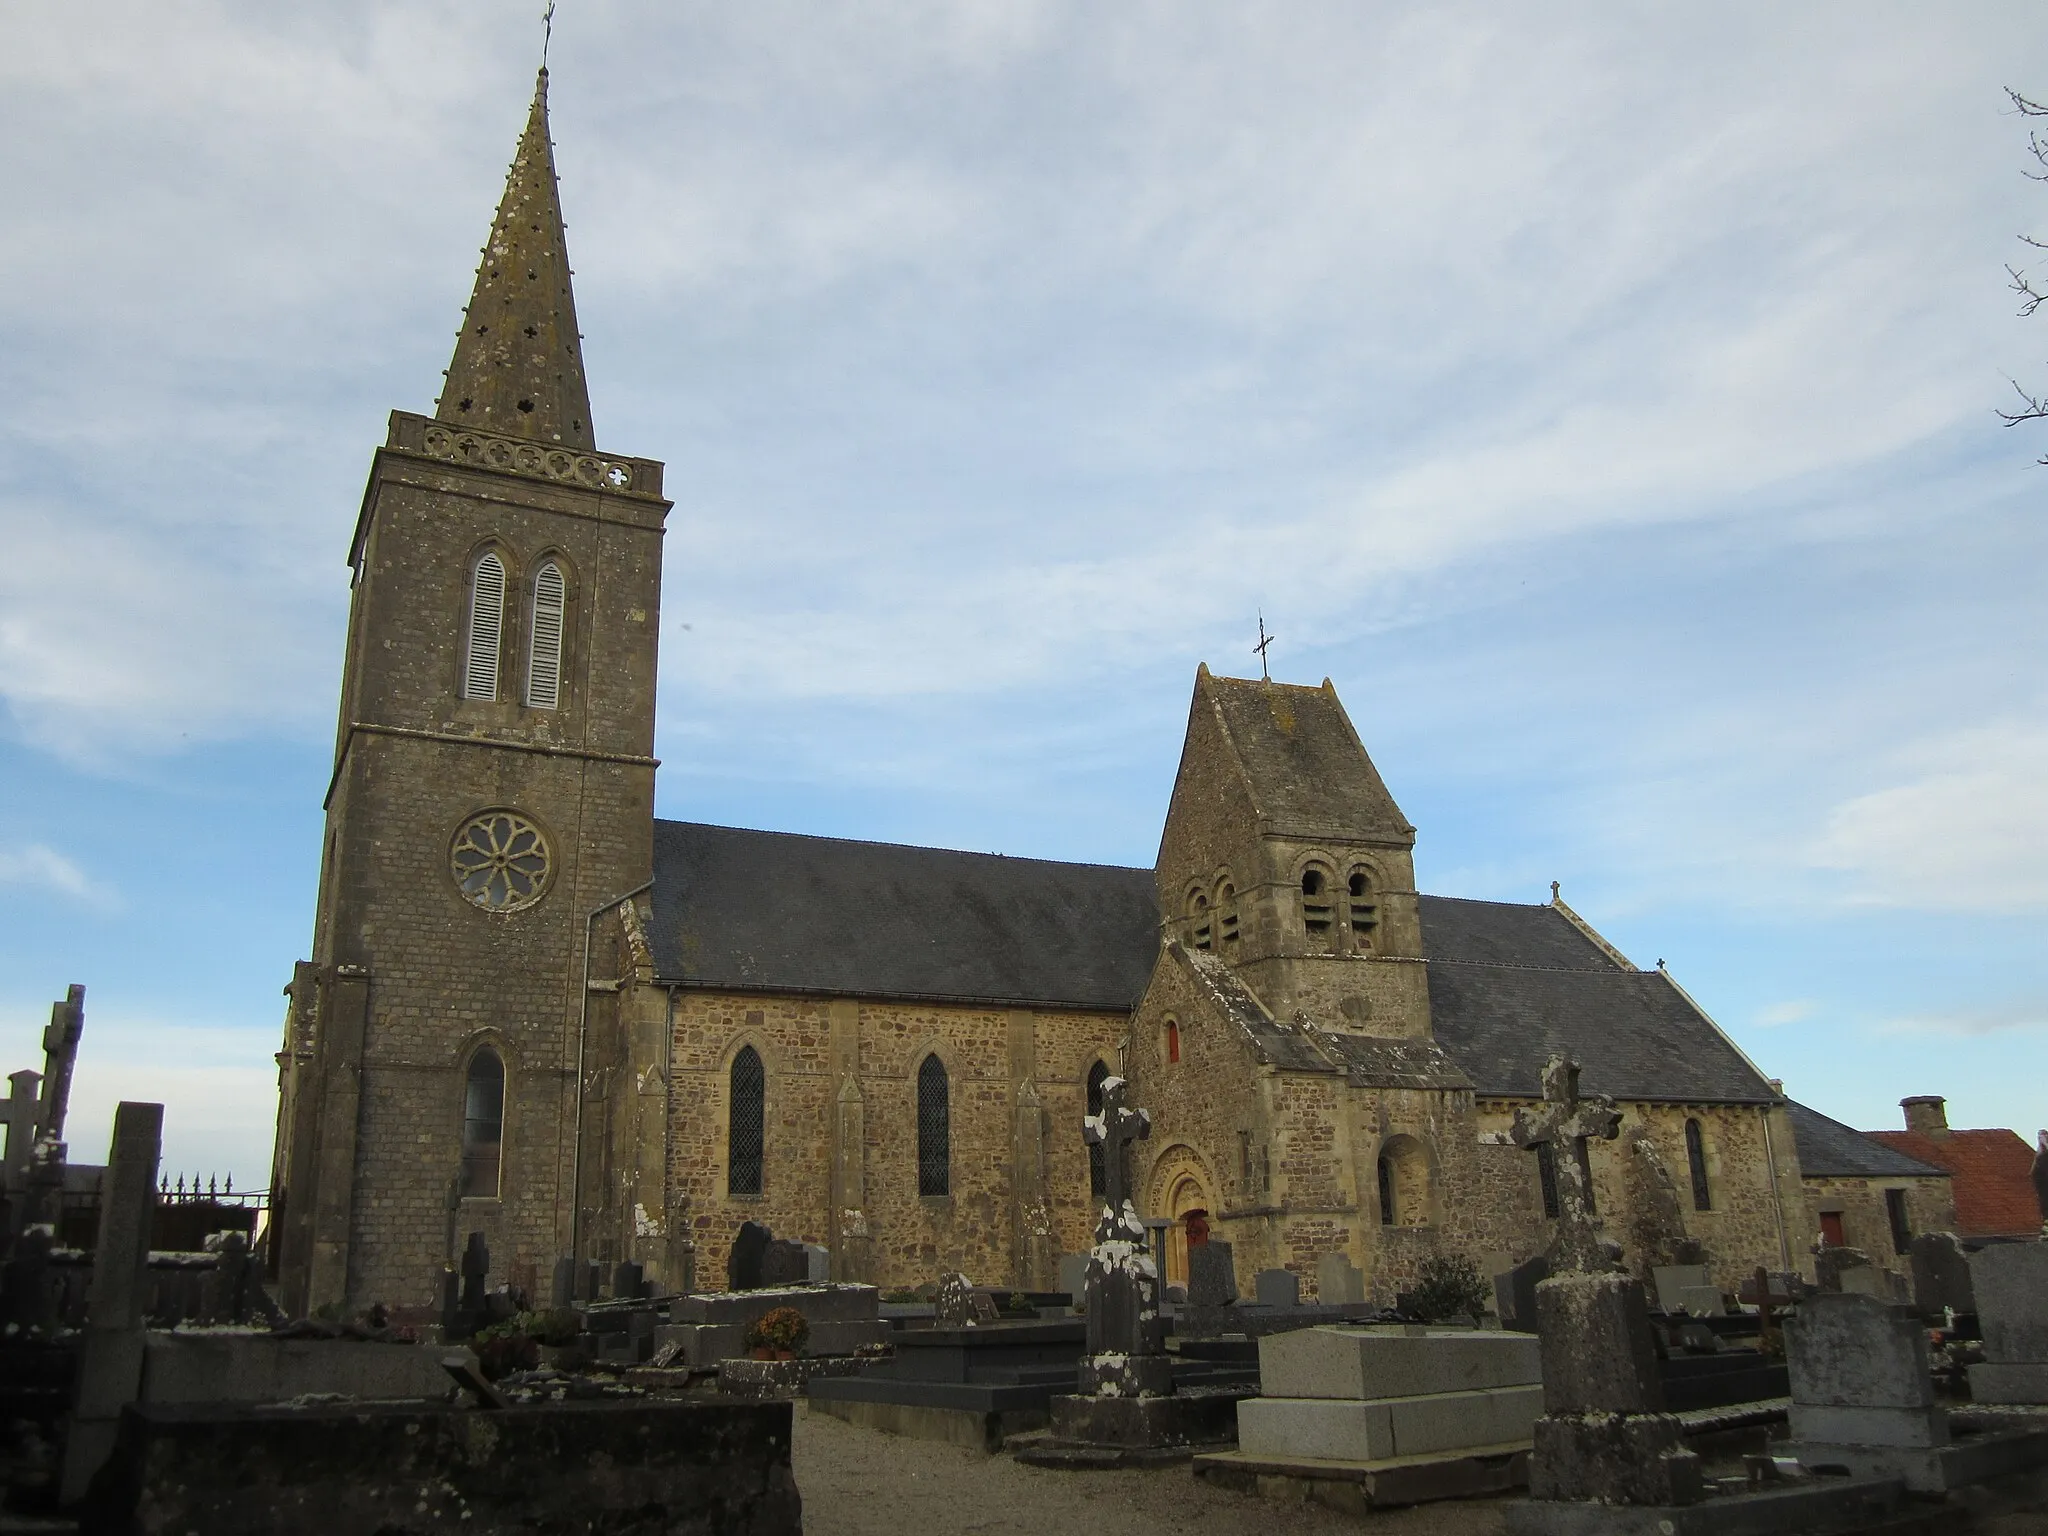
<point x="1567" y="1122"/>
<point x="1113" y="1130"/>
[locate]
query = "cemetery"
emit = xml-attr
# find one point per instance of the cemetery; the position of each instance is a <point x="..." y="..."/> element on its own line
<point x="163" y="1389"/>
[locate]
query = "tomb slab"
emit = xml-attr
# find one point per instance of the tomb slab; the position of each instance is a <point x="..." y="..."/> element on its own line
<point x="1348" y="1363"/>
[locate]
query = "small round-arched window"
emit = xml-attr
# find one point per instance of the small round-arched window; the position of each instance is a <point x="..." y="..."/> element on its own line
<point x="483" y="1125"/>
<point x="501" y="861"/>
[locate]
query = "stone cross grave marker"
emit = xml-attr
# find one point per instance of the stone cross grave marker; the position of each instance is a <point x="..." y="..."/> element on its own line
<point x="1126" y="1353"/>
<point x="45" y="1178"/>
<point x="1566" y="1122"/>
<point x="19" y="1113"/>
<point x="1113" y="1130"/>
<point x="110" y="1361"/>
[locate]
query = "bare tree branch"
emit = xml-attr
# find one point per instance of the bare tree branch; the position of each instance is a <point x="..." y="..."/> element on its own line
<point x="2032" y="297"/>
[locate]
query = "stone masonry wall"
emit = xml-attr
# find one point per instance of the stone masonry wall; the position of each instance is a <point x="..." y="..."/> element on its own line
<point x="1930" y="1207"/>
<point x="911" y="1238"/>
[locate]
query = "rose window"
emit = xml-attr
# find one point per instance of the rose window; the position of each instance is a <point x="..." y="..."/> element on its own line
<point x="501" y="861"/>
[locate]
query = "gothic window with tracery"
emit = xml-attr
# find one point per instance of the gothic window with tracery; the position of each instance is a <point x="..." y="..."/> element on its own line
<point x="483" y="1125"/>
<point x="500" y="861"/>
<point x="486" y="628"/>
<point x="746" y="1123"/>
<point x="934" y="1129"/>
<point x="544" y="651"/>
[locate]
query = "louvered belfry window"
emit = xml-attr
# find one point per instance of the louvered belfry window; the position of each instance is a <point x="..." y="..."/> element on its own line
<point x="544" y="658"/>
<point x="486" y="628"/>
<point x="934" y="1129"/>
<point x="746" y="1124"/>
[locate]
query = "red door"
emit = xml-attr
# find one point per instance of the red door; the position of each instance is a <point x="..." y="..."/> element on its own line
<point x="1831" y="1230"/>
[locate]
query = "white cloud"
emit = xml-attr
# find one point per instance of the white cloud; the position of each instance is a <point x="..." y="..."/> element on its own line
<point x="218" y="1088"/>
<point x="1776" y="1015"/>
<point x="1963" y="826"/>
<point x="1970" y="1022"/>
<point x="44" y="868"/>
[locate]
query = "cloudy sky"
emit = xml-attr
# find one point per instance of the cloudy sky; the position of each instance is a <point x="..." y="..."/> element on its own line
<point x="1602" y="395"/>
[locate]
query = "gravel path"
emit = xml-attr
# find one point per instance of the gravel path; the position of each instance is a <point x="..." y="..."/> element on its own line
<point x="861" y="1482"/>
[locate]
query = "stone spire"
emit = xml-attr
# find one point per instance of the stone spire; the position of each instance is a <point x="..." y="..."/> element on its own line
<point x="518" y="366"/>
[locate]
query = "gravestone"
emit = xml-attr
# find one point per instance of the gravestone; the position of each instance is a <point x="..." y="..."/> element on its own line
<point x="593" y="1280"/>
<point x="1126" y="1348"/>
<point x="233" y="1290"/>
<point x="110" y="1361"/>
<point x="1212" y="1275"/>
<point x="464" y="1294"/>
<point x="819" y="1261"/>
<point x="1863" y="1390"/>
<point x="2010" y="1285"/>
<point x="953" y="1307"/>
<point x="1514" y="1294"/>
<point x="1830" y="1263"/>
<point x="784" y="1263"/>
<point x="20" y="1113"/>
<point x="1277" y="1288"/>
<point x="1604" y="1436"/>
<point x="1686" y="1288"/>
<point x="1941" y="1275"/>
<point x="563" y="1292"/>
<point x="627" y="1280"/>
<point x="1338" y="1280"/>
<point x="743" y="1263"/>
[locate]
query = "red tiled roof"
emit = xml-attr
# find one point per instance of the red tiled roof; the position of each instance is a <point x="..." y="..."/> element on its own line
<point x="1993" y="1183"/>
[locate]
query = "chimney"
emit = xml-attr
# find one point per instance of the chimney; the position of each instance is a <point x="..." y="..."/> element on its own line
<point x="1926" y="1114"/>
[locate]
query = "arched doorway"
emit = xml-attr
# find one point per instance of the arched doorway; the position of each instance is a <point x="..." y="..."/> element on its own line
<point x="1181" y="1191"/>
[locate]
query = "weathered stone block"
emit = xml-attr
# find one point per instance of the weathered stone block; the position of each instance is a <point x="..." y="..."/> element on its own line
<point x="1278" y="1288"/>
<point x="598" y="1467"/>
<point x="1839" y="1425"/>
<point x="1212" y="1275"/>
<point x="1598" y="1354"/>
<point x="1347" y="1363"/>
<point x="1337" y="1430"/>
<point x="256" y="1368"/>
<point x="1339" y="1282"/>
<point x="1857" y="1351"/>
<point x="1996" y="1383"/>
<point x="1614" y="1458"/>
<point x="1126" y="1375"/>
<point x="2011" y="1285"/>
<point x="1673" y="1279"/>
<point x="818" y="1303"/>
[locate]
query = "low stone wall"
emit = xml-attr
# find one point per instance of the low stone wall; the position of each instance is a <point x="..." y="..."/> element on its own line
<point x="685" y="1469"/>
<point x="226" y="1367"/>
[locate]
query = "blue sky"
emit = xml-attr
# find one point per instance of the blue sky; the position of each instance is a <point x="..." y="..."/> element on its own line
<point x="1602" y="396"/>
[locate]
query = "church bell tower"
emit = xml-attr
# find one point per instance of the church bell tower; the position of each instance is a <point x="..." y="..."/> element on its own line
<point x="492" y="789"/>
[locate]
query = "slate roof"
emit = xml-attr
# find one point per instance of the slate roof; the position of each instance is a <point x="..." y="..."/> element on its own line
<point x="1308" y="772"/>
<point x="1510" y="985"/>
<point x="1993" y="1172"/>
<point x="1829" y="1149"/>
<point x="782" y="912"/>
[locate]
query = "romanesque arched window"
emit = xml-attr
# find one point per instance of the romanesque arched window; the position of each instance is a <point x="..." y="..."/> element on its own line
<point x="483" y="1125"/>
<point x="1172" y="1040"/>
<point x="1098" y="1172"/>
<point x="934" y="1129"/>
<point x="1406" y="1199"/>
<point x="1201" y="922"/>
<point x="1546" y="1178"/>
<point x="1696" y="1160"/>
<point x="1386" y="1172"/>
<point x="746" y="1123"/>
<point x="544" y="638"/>
<point x="486" y="628"/>
<point x="1226" y="913"/>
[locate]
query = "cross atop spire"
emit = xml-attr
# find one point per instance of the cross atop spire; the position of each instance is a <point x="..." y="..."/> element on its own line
<point x="518" y="365"/>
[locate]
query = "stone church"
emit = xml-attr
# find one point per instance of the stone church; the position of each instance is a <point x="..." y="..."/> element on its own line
<point x="536" y="1011"/>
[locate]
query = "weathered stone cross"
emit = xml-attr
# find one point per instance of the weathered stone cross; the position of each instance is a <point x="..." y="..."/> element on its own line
<point x="1113" y="1130"/>
<point x="1566" y="1123"/>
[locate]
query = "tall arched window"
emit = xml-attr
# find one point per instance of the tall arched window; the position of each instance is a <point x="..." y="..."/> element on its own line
<point x="1696" y="1159"/>
<point x="746" y="1122"/>
<point x="1173" y="1040"/>
<point x="1546" y="1177"/>
<point x="1098" y="1171"/>
<point x="1386" y="1191"/>
<point x="486" y="628"/>
<point x="483" y="1125"/>
<point x="934" y="1129"/>
<point x="544" y="651"/>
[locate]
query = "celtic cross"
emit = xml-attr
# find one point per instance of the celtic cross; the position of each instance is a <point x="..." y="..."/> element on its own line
<point x="1113" y="1130"/>
<point x="1565" y="1123"/>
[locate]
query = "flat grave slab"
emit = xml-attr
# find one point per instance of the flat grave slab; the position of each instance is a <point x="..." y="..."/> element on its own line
<point x="1831" y="1507"/>
<point x="1334" y="1430"/>
<point x="1358" y="1364"/>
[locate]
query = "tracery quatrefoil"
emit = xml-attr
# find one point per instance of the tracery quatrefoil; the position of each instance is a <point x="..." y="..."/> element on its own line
<point x="500" y="861"/>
